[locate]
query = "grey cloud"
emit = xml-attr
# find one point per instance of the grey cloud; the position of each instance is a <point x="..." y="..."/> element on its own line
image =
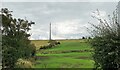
<point x="60" y="0"/>
<point x="57" y="13"/>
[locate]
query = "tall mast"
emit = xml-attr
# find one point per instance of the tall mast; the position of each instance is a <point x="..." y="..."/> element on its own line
<point x="50" y="32"/>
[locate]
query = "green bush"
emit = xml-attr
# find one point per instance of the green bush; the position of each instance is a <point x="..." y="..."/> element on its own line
<point x="106" y="42"/>
<point x="51" y="44"/>
<point x="15" y="42"/>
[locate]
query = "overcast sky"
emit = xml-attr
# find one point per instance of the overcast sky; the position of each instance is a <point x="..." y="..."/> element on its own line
<point x="60" y="0"/>
<point x="69" y="19"/>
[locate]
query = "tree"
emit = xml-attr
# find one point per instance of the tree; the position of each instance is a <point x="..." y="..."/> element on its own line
<point x="83" y="37"/>
<point x="89" y="38"/>
<point x="15" y="42"/>
<point x="106" y="42"/>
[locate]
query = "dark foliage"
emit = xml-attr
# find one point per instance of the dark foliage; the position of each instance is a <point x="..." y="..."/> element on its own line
<point x="51" y="44"/>
<point x="15" y="42"/>
<point x="106" y="42"/>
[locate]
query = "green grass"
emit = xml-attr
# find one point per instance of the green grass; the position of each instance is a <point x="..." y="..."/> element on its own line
<point x="71" y="46"/>
<point x="65" y="62"/>
<point x="56" y="58"/>
<point x="72" y="55"/>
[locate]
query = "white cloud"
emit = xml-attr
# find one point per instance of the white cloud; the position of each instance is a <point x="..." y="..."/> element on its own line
<point x="68" y="19"/>
<point x="57" y="37"/>
<point x="67" y="29"/>
<point x="73" y="28"/>
<point x="60" y="0"/>
<point x="99" y="14"/>
<point x="67" y="26"/>
<point x="47" y="12"/>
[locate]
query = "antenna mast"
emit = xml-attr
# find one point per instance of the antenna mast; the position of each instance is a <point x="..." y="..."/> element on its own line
<point x="50" y="32"/>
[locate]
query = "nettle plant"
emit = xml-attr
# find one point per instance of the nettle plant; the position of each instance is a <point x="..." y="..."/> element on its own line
<point x="106" y="42"/>
<point x="15" y="42"/>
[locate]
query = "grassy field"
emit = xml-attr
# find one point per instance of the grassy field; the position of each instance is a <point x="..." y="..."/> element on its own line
<point x="69" y="54"/>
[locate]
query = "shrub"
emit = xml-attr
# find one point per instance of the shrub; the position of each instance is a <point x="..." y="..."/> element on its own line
<point x="106" y="42"/>
<point x="15" y="42"/>
<point x="51" y="44"/>
<point x="22" y="63"/>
